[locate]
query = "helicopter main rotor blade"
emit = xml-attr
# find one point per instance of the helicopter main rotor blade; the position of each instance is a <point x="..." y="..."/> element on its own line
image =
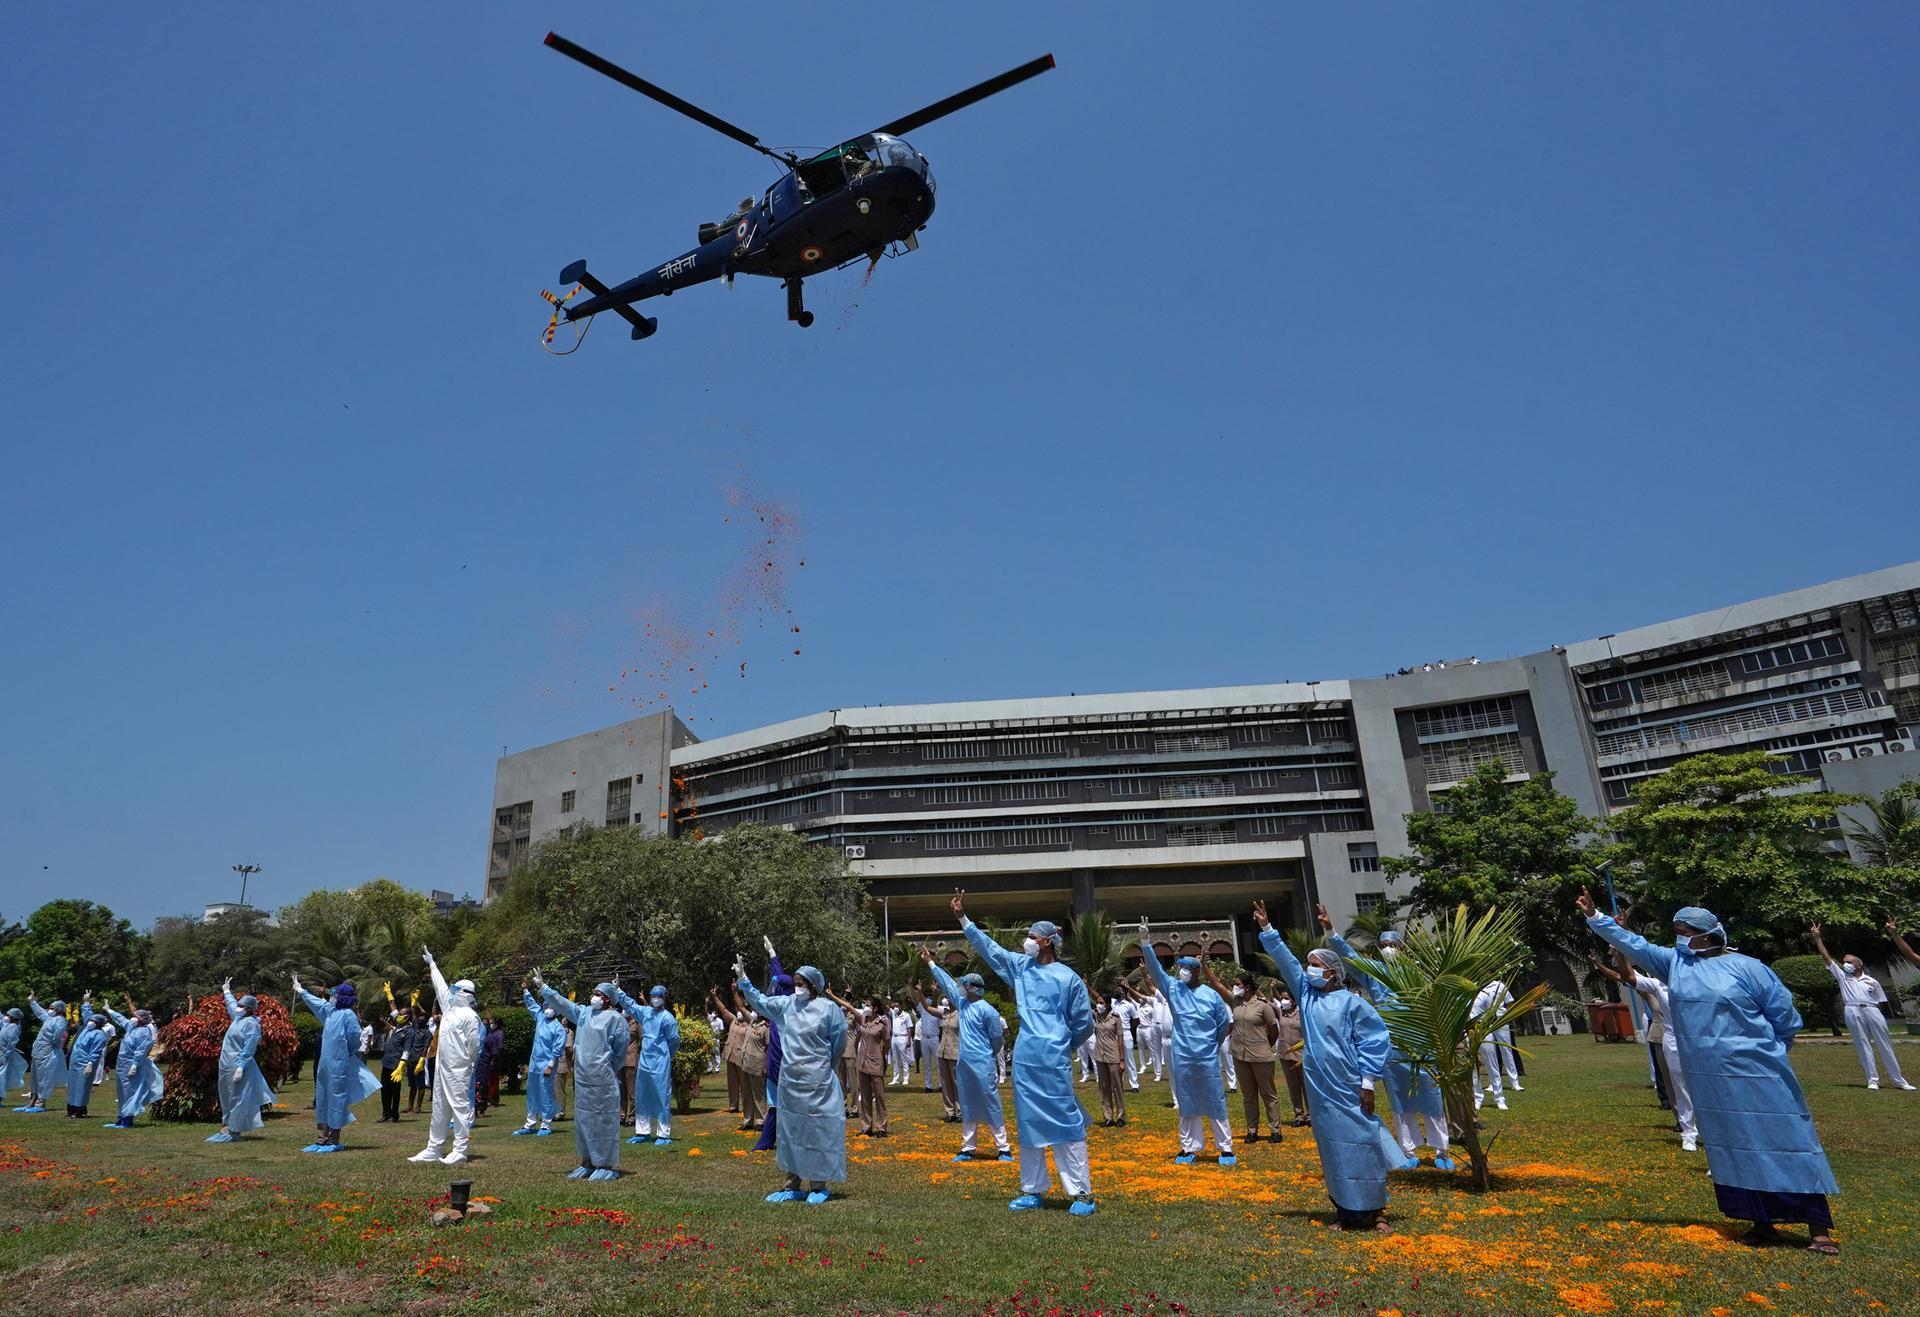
<point x="634" y="82"/>
<point x="961" y="100"/>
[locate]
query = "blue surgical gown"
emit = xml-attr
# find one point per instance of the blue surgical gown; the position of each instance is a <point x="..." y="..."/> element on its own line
<point x="1411" y="1090"/>
<point x="1200" y="1021"/>
<point x="49" y="1052"/>
<point x="813" y="1108"/>
<point x="1056" y="1016"/>
<point x="1733" y="1021"/>
<point x="88" y="1048"/>
<point x="599" y="1054"/>
<point x="134" y="1071"/>
<point x="1346" y="1043"/>
<point x="978" y="1075"/>
<point x="339" y="1080"/>
<point x="242" y="1099"/>
<point x="549" y="1040"/>
<point x="13" y="1064"/>
<point x="659" y="1040"/>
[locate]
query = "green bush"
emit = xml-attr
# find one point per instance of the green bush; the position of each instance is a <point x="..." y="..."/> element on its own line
<point x="518" y="1027"/>
<point x="306" y="1028"/>
<point x="1812" y="986"/>
<point x="690" y="1061"/>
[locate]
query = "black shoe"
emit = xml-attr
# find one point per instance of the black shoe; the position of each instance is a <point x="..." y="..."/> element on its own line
<point x="1251" y="1136"/>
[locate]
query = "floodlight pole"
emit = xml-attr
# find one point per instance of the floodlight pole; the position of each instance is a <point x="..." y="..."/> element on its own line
<point x="245" y="871"/>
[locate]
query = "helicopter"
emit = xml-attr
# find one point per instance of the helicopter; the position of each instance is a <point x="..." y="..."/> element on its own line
<point x="827" y="210"/>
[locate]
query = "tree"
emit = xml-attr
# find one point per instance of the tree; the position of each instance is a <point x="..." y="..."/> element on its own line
<point x="1718" y="831"/>
<point x="1091" y="951"/>
<point x="68" y="947"/>
<point x="678" y="910"/>
<point x="1889" y="840"/>
<point x="188" y="957"/>
<point x="1435" y="979"/>
<point x="1518" y="845"/>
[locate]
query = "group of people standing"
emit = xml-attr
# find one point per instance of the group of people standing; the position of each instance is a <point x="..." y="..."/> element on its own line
<point x="54" y="1067"/>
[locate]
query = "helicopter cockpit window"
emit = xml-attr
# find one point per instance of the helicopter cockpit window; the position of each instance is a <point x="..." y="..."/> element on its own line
<point x="894" y="152"/>
<point x="861" y="157"/>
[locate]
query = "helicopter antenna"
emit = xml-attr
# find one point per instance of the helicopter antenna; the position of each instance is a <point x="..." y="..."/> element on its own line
<point x="634" y="82"/>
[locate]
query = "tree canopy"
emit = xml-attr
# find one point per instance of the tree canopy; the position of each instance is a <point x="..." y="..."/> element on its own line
<point x="1518" y="845"/>
<point x="67" y="947"/>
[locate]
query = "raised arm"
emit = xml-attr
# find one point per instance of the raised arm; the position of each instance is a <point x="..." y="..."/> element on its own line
<point x="1151" y="959"/>
<point x="531" y="1003"/>
<point x="1276" y="946"/>
<point x="120" y="1022"/>
<point x="1001" y="961"/>
<point x="770" y="1008"/>
<point x="321" y="1009"/>
<point x="441" y="993"/>
<point x="233" y="1003"/>
<point x="947" y="984"/>
<point x="1900" y="943"/>
<point x="41" y="1012"/>
<point x="1833" y="966"/>
<point x="1657" y="961"/>
<point x="573" y="1011"/>
<point x="1606" y="969"/>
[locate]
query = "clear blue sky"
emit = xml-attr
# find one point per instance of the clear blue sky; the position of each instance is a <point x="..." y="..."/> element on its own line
<point x="1304" y="342"/>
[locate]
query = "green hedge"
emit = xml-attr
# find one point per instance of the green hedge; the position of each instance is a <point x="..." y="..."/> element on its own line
<point x="1815" y="995"/>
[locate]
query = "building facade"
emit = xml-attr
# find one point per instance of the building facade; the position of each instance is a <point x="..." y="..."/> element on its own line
<point x="1188" y="805"/>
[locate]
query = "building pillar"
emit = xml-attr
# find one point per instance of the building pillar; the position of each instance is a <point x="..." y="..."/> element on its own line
<point x="1085" y="897"/>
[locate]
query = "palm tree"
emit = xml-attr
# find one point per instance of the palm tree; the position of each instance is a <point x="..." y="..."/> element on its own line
<point x="1091" y="950"/>
<point x="1365" y="930"/>
<point x="1439" y="972"/>
<point x="1891" y="837"/>
<point x="1299" y="941"/>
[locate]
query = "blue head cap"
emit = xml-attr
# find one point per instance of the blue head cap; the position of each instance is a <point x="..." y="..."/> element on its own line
<point x="97" y="1020"/>
<point x="15" y="1014"/>
<point x="657" y="990"/>
<point x="345" y="995"/>
<point x="605" y="990"/>
<point x="973" y="983"/>
<point x="248" y="1003"/>
<point x="813" y="976"/>
<point x="58" y="1006"/>
<point x="1699" y="920"/>
<point x="1188" y="962"/>
<point x="1045" y="928"/>
<point x="1388" y="937"/>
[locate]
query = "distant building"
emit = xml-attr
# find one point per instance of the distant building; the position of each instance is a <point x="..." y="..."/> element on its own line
<point x="1186" y="805"/>
<point x="446" y="902"/>
<point x="221" y="909"/>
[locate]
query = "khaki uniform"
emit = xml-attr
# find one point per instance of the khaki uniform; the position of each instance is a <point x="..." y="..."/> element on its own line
<point x="750" y="1061"/>
<point x="1287" y="1049"/>
<point x="874" y="1042"/>
<point x="1253" y="1056"/>
<point x="950" y="1063"/>
<point x="1110" y="1060"/>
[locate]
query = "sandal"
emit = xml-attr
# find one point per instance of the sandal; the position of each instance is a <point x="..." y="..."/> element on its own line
<point x="1824" y="1247"/>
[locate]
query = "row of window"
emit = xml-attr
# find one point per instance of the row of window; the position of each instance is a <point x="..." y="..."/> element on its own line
<point x="1683" y="731"/>
<point x="1454" y="761"/>
<point x="1472" y="716"/>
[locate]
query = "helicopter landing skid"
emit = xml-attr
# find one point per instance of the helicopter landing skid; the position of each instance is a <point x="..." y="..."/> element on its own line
<point x="796" y="311"/>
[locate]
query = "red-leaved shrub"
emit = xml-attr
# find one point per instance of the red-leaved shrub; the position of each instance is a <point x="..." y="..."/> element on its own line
<point x="189" y="1048"/>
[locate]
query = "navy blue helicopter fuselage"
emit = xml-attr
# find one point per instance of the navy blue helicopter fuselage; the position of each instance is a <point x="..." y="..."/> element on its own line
<point x="851" y="201"/>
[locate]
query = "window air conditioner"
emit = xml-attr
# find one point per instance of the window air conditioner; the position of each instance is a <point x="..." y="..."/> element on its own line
<point x="1866" y="751"/>
<point x="1835" y="756"/>
<point x="856" y="852"/>
<point x="1899" y="745"/>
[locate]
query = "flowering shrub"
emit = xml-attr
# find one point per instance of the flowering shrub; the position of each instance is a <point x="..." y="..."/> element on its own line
<point x="690" y="1062"/>
<point x="190" y="1048"/>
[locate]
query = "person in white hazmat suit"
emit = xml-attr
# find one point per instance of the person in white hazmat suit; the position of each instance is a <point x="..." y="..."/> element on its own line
<point x="459" y="1050"/>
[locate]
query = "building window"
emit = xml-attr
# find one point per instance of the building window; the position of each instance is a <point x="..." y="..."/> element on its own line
<point x="967" y="794"/>
<point x="1786" y="656"/>
<point x="1195" y="788"/>
<point x="1337" y="775"/>
<point x="619" y="801"/>
<point x="937" y="750"/>
<point x="1454" y="761"/>
<point x="1134" y="829"/>
<point x="1189" y="742"/>
<point x="1200" y="834"/>
<point x="1366" y="903"/>
<point x="1125" y="741"/>
<point x="1267" y="779"/>
<point x="1131" y="783"/>
<point x="566" y="801"/>
<point x="1363" y="857"/>
<point x="1473" y="716"/>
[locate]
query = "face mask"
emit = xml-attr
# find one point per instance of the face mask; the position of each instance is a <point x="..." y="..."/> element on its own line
<point x="598" y="1002"/>
<point x="866" y="1012"/>
<point x="659" y="1003"/>
<point x="1101" y="1009"/>
<point x="1390" y="952"/>
<point x="1852" y="968"/>
<point x="1286" y="1003"/>
<point x="1319" y="978"/>
<point x="550" y="1013"/>
<point x="1186" y="976"/>
<point x="802" y="991"/>
<point x="1031" y="947"/>
<point x="1239" y="993"/>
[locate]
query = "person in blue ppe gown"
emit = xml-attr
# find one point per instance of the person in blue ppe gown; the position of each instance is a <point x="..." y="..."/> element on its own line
<point x="13" y="1062"/>
<point x="599" y="1052"/>
<point x="137" y="1077"/>
<point x="813" y="1128"/>
<point x="976" y="1073"/>
<point x="339" y="1080"/>
<point x="779" y="984"/>
<point x="653" y="1077"/>
<point x="49" y="1072"/>
<point x="1415" y="1097"/>
<point x="1200" y="1023"/>
<point x="1056" y="1016"/>
<point x="1346" y="1049"/>
<point x="243" y="1089"/>
<point x="455" y="1067"/>
<point x="549" y="1040"/>
<point x="88" y="1048"/>
<point x="1735" y="1021"/>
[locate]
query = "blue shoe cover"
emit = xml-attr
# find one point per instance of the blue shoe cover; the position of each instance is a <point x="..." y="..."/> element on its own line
<point x="1084" y="1207"/>
<point x="522" y="1130"/>
<point x="221" y="1137"/>
<point x="113" y="1125"/>
<point x="1228" y="1159"/>
<point x="1184" y="1159"/>
<point x="541" y="1134"/>
<point x="1412" y="1163"/>
<point x="1004" y="1157"/>
<point x="1443" y="1163"/>
<point x="817" y="1197"/>
<point x="579" y="1173"/>
<point x="604" y="1174"/>
<point x="785" y="1196"/>
<point x="326" y="1148"/>
<point x="1024" y="1203"/>
<point x="662" y="1143"/>
<point x="311" y="1147"/>
<point x="639" y="1138"/>
<point x="963" y="1156"/>
<point x="28" y="1111"/>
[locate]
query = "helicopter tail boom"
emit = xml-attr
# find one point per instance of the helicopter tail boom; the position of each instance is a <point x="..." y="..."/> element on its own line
<point x="696" y="267"/>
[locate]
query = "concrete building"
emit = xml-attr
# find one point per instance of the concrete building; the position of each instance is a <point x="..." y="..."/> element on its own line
<point x="614" y="778"/>
<point x="1188" y="804"/>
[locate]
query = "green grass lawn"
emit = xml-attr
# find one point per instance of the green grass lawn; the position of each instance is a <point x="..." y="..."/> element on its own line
<point x="1595" y="1210"/>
